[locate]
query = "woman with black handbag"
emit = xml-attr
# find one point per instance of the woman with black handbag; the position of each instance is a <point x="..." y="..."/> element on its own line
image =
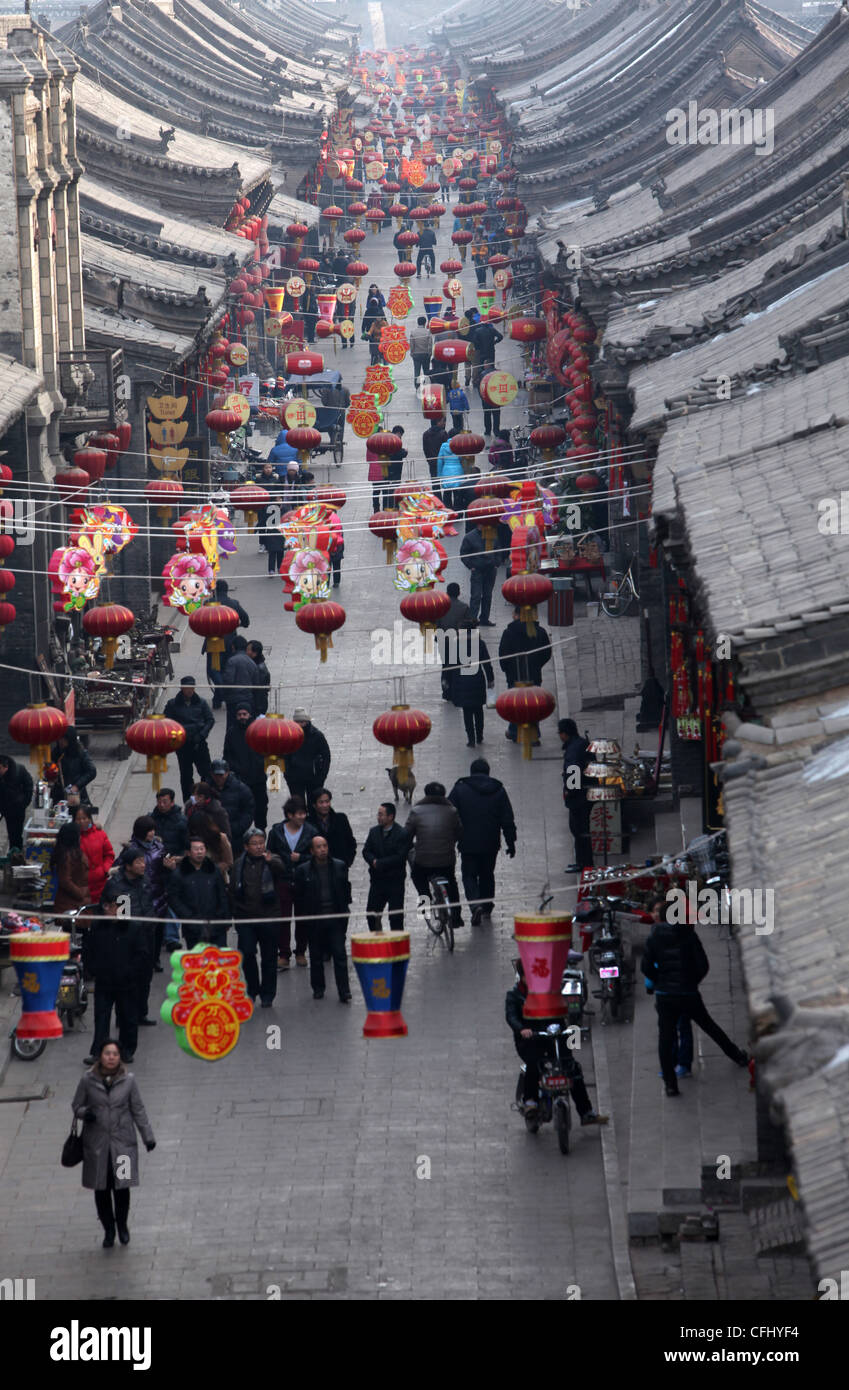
<point x="108" y="1101"/>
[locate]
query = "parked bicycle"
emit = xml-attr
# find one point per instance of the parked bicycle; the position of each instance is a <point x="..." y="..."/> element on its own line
<point x="437" y="912"/>
<point x="621" y="590"/>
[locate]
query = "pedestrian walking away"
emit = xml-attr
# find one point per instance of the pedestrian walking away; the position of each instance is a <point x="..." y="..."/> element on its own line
<point x="427" y="252"/>
<point x="240" y="679"/>
<point x="256" y="910"/>
<point x="420" y="345"/>
<point x="16" y="789"/>
<point x="109" y="1104"/>
<point x="471" y="678"/>
<point x="222" y="596"/>
<point x="434" y="827"/>
<point x="308" y="766"/>
<point x="385" y="852"/>
<point x="674" y="964"/>
<point x="482" y="565"/>
<point x="290" y="840"/>
<point x="575" y="759"/>
<point x="486" y="816"/>
<point x="195" y="716"/>
<point x="323" y="895"/>
<point x="115" y="953"/>
<point x="522" y="657"/>
<point x="247" y="764"/>
<point x="136" y="902"/>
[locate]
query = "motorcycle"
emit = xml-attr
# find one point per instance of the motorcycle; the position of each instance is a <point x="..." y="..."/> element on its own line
<point x="573" y="988"/>
<point x="554" y="1087"/>
<point x="72" y="999"/>
<point x="607" y="953"/>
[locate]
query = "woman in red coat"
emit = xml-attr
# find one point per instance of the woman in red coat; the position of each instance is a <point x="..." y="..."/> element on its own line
<point x="97" y="848"/>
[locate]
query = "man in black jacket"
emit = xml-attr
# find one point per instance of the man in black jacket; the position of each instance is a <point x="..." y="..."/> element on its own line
<point x="260" y="694"/>
<point x="459" y="615"/>
<point x="385" y="852"/>
<point x="76" y="769"/>
<point x="204" y="806"/>
<point x="435" y="827"/>
<point x="323" y="894"/>
<point x="197" y="719"/>
<point x="239" y="679"/>
<point x="432" y="441"/>
<point x="427" y="252"/>
<point x="16" y="788"/>
<point x="575" y="759"/>
<point x="486" y="814"/>
<point x="171" y="825"/>
<point x="522" y="658"/>
<point x="308" y="766"/>
<point x="136" y="900"/>
<point x="483" y="565"/>
<point x="533" y="1050"/>
<point x="335" y="827"/>
<point x="196" y="889"/>
<point x="236" y="798"/>
<point x="674" y="964"/>
<point x="247" y="764"/>
<point x="215" y="678"/>
<point x="116" y="955"/>
<point x="256" y="908"/>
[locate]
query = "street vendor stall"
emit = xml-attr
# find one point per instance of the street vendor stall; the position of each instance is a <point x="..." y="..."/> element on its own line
<point x="33" y="882"/>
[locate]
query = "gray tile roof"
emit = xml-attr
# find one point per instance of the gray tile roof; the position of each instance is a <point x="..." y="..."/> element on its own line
<point x="18" y="386"/>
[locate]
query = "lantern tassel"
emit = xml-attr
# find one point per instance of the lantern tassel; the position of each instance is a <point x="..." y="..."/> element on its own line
<point x="110" y="645"/>
<point x="157" y="764"/>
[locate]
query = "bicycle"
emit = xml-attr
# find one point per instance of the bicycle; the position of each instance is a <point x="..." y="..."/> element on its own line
<point x="622" y="590"/>
<point x="437" y="913"/>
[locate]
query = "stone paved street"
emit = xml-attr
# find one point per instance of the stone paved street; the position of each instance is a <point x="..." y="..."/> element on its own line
<point x="297" y="1167"/>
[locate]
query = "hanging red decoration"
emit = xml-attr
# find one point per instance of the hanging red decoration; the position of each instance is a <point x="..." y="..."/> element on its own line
<point x="38" y="726"/>
<point x="525" y="706"/>
<point x="275" y="738"/>
<point x="156" y="737"/>
<point x="215" y="622"/>
<point x="322" y="618"/>
<point x="108" y="621"/>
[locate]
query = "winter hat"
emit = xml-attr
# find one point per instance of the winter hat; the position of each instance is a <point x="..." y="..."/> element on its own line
<point x="301" y="713"/>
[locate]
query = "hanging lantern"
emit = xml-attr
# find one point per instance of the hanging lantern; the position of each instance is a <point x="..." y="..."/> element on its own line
<point x="398" y="211"/>
<point x="525" y="706"/>
<point x="8" y="614"/>
<point x="222" y="423"/>
<point x="401" y="728"/>
<point x="331" y="496"/>
<point x="7" y="545"/>
<point x="124" y="431"/>
<point x="297" y="232"/>
<point x="356" y="270"/>
<point x="384" y="525"/>
<point x="465" y="446"/>
<point x="7" y="581"/>
<point x="92" y="462"/>
<point x="108" y="621"/>
<point x="249" y="499"/>
<point x="385" y="445"/>
<point x="308" y="267"/>
<point x="333" y="215"/>
<point x="159" y="489"/>
<point x="433" y="402"/>
<point x="39" y="726"/>
<point x="275" y="738"/>
<point x="110" y="443"/>
<point x="527" y="330"/>
<point x="354" y="236"/>
<point x="73" y="485"/>
<point x="156" y="737"/>
<point x="426" y="607"/>
<point x="305" y="439"/>
<point x="321" y="618"/>
<point x="587" y="482"/>
<point x="304" y="364"/>
<point x="525" y="592"/>
<point x="462" y="239"/>
<point x="486" y="512"/>
<point x="548" y="438"/>
<point x="215" y="622"/>
<point x="404" y="270"/>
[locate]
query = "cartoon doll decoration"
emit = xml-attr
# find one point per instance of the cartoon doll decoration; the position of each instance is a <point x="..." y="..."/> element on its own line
<point x="190" y="580"/>
<point x="309" y="574"/>
<point x="79" y="577"/>
<point x="417" y="565"/>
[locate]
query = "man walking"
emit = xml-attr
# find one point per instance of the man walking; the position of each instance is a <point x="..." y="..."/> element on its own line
<point x="171" y="825"/>
<point x="308" y="766"/>
<point x="323" y="894"/>
<point x="485" y="814"/>
<point x="115" y="955"/>
<point x="215" y="678"/>
<point x="483" y="566"/>
<point x="435" y="827"/>
<point x="197" y="719"/>
<point x="256" y="909"/>
<point x="420" y="345"/>
<point x="385" y="852"/>
<point x="247" y="764"/>
<point x="335" y="827"/>
<point x="522" y="658"/>
<point x="674" y="964"/>
<point x="432" y="441"/>
<point x="260" y="695"/>
<point x="575" y="759"/>
<point x="239" y="679"/>
<point x="136" y="901"/>
<point x="196" y="893"/>
<point x="427" y="252"/>
<point x="235" y="797"/>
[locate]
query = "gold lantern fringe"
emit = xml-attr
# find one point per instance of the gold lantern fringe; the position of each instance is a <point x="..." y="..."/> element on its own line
<point x="528" y="615"/>
<point x="323" y="640"/>
<point x="157" y="764"/>
<point x="402" y="758"/>
<point x="389" y="549"/>
<point x="39" y="754"/>
<point x="528" y="734"/>
<point x="251" y="519"/>
<point x="215" y="646"/>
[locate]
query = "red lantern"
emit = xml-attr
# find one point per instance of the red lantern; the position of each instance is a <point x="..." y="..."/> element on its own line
<point x="356" y="270"/>
<point x="73" y="484"/>
<point x="465" y="446"/>
<point x="526" y="591"/>
<point x="156" y="737"/>
<point x="249" y="499"/>
<point x="527" y="330"/>
<point x="305" y="439"/>
<point x="223" y="422"/>
<point x="161" y="488"/>
<point x="404" y="270"/>
<point x="384" y="525"/>
<point x="462" y="239"/>
<point x="401" y="728"/>
<point x="275" y="738"/>
<point x="215" y="622"/>
<point x="322" y="618"/>
<point x="486" y="512"/>
<point x="354" y="236"/>
<point x="331" y="496"/>
<point x="7" y="581"/>
<point x="587" y="482"/>
<point x="385" y="445"/>
<point x="124" y="431"/>
<point x="92" y="462"/>
<point x="7" y="545"/>
<point x="8" y="614"/>
<point x="108" y="621"/>
<point x="39" y="726"/>
<point x="547" y="438"/>
<point x="426" y="607"/>
<point x="110" y="443"/>
<point x="525" y="706"/>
